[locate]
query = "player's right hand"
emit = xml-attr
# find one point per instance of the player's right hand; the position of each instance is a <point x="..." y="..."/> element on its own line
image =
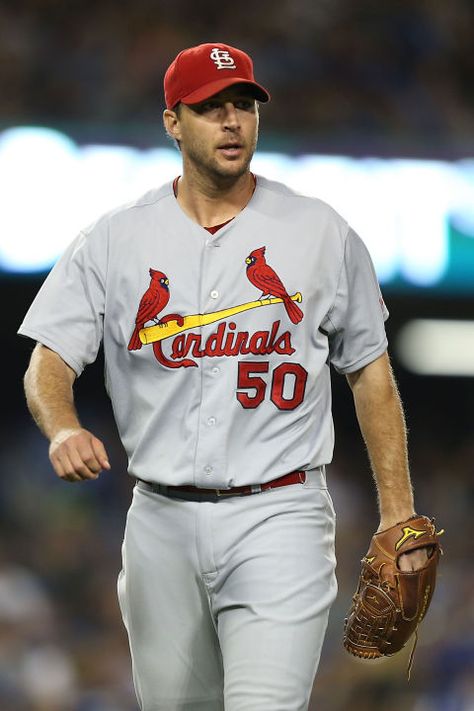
<point x="77" y="455"/>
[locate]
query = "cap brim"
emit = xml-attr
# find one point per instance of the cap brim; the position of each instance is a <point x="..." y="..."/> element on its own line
<point x="214" y="87"/>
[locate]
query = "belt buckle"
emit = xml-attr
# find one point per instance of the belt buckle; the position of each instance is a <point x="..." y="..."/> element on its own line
<point x="223" y="492"/>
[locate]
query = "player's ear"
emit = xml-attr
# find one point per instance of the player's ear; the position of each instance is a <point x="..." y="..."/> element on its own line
<point x="172" y="124"/>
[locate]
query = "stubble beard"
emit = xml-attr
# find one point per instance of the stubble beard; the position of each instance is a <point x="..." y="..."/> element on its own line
<point x="218" y="172"/>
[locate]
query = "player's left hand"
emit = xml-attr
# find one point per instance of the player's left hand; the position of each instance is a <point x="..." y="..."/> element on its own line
<point x="394" y="590"/>
<point x="414" y="560"/>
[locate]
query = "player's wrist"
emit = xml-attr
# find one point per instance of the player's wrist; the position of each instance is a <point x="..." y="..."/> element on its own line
<point x="60" y="434"/>
<point x="392" y="519"/>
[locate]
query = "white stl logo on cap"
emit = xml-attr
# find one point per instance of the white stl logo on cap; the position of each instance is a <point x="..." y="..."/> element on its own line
<point x="222" y="59"/>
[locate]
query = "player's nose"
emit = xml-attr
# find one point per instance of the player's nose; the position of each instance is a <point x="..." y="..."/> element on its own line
<point x="230" y="116"/>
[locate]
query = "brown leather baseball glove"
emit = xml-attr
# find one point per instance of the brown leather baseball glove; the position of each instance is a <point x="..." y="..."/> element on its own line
<point x="389" y="604"/>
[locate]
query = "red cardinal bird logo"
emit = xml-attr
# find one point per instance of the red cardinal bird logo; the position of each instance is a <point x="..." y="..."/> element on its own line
<point x="261" y="275"/>
<point x="152" y="302"/>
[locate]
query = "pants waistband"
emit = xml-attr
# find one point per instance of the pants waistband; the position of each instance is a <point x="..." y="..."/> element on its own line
<point x="187" y="491"/>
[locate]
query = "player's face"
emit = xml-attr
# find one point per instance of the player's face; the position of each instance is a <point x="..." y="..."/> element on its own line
<point x="218" y="136"/>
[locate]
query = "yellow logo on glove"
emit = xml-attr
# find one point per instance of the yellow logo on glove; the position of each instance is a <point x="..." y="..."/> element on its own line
<point x="409" y="532"/>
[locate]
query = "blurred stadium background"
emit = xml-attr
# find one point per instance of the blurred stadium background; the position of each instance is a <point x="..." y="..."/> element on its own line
<point x="373" y="110"/>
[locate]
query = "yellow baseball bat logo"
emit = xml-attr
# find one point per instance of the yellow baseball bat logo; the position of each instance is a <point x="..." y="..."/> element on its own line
<point x="151" y="334"/>
<point x="409" y="532"/>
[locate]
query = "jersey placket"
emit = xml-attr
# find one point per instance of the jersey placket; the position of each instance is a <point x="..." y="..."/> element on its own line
<point x="210" y="459"/>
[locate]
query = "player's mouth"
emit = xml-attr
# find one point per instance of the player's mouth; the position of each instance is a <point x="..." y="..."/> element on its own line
<point x="231" y="150"/>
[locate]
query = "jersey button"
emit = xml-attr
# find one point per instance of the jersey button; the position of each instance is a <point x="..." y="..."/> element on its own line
<point x="215" y="370"/>
<point x="208" y="469"/>
<point x="214" y="294"/>
<point x="211" y="421"/>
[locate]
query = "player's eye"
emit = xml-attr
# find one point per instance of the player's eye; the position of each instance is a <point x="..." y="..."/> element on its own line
<point x="208" y="106"/>
<point x="244" y="104"/>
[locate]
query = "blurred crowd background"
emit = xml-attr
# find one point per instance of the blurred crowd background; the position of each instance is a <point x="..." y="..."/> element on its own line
<point x="393" y="75"/>
<point x="388" y="78"/>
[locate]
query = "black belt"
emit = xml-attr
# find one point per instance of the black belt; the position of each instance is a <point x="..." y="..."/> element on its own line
<point x="296" y="477"/>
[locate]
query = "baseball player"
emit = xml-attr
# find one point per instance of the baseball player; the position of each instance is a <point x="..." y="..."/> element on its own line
<point x="221" y="299"/>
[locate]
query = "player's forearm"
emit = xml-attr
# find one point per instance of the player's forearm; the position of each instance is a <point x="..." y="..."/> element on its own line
<point x="49" y="394"/>
<point x="382" y="423"/>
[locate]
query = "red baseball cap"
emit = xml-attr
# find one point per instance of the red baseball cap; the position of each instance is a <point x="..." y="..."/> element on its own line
<point x="202" y="71"/>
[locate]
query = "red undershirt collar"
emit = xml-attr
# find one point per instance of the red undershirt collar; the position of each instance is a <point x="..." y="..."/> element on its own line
<point x="214" y="228"/>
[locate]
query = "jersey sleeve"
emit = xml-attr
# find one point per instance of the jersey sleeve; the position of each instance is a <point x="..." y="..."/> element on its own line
<point x="67" y="312"/>
<point x="356" y="322"/>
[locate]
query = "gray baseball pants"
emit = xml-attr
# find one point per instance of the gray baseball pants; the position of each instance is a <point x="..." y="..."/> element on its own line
<point x="226" y="602"/>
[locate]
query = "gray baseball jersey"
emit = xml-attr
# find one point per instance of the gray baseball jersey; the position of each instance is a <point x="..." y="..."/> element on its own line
<point x="217" y="347"/>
